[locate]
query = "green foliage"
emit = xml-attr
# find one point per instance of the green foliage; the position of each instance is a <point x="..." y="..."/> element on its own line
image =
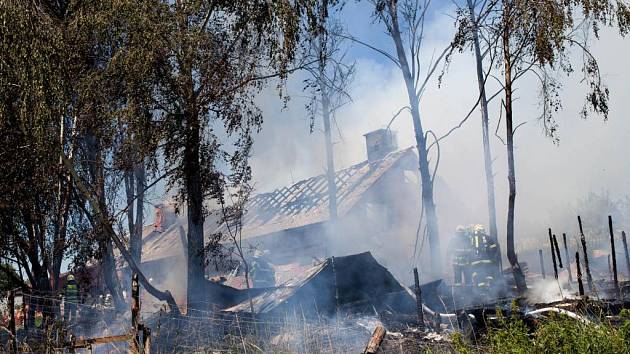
<point x="9" y="278"/>
<point x="561" y="334"/>
<point x="510" y="337"/>
<point x="556" y="334"/>
<point x="460" y="344"/>
<point x="625" y="326"/>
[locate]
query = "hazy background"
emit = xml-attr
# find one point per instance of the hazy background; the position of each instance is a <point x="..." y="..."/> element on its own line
<point x="591" y="156"/>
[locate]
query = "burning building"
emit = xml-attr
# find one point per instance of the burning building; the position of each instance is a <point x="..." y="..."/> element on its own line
<point x="378" y="208"/>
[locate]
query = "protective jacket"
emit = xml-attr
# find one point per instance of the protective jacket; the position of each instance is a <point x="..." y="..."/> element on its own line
<point x="71" y="292"/>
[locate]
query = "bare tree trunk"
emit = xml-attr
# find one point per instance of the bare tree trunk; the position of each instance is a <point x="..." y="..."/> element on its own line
<point x="519" y="278"/>
<point x="485" y="132"/>
<point x="130" y="188"/>
<point x="135" y="183"/>
<point x="194" y="197"/>
<point x="425" y="174"/>
<point x="140" y="174"/>
<point x="98" y="216"/>
<point x="108" y="263"/>
<point x="65" y="198"/>
<point x="330" y="163"/>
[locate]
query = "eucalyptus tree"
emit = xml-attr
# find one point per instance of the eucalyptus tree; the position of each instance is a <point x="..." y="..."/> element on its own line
<point x="404" y="21"/>
<point x="57" y="108"/>
<point x="328" y="81"/>
<point x="40" y="69"/>
<point x="215" y="56"/>
<point x="536" y="39"/>
<point x="477" y="10"/>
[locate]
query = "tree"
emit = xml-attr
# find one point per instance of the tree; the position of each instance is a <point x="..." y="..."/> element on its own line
<point x="36" y="115"/>
<point x="328" y="85"/>
<point x="406" y="19"/>
<point x="55" y="114"/>
<point x="536" y="37"/>
<point x="485" y="131"/>
<point x="214" y="57"/>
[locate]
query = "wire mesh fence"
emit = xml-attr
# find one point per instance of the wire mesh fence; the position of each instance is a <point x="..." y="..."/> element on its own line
<point x="44" y="321"/>
<point x="201" y="331"/>
<point x="46" y="324"/>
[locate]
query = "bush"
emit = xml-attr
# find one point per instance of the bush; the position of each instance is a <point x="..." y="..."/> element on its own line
<point x="561" y="334"/>
<point x="555" y="334"/>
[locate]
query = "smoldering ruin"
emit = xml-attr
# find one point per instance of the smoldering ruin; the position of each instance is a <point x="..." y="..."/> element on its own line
<point x="311" y="176"/>
<point x="281" y="287"/>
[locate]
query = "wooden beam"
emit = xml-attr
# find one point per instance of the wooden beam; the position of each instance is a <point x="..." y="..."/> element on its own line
<point x="85" y="343"/>
<point x="375" y="340"/>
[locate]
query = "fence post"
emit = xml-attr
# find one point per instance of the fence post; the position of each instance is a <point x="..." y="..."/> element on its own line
<point x="553" y="256"/>
<point x="418" y="298"/>
<point x="589" y="277"/>
<point x="146" y="340"/>
<point x="579" y="274"/>
<point x="614" y="254"/>
<point x="135" y="312"/>
<point x="625" y="251"/>
<point x="11" y="304"/>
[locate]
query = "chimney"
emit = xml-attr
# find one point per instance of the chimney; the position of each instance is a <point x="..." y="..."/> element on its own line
<point x="379" y="143"/>
<point x="159" y="218"/>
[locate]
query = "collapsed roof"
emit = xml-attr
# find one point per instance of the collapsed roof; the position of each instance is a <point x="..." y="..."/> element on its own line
<point x="338" y="282"/>
<point x="306" y="202"/>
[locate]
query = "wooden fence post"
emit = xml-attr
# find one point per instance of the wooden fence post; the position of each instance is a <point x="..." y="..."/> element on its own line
<point x="579" y="273"/>
<point x="625" y="250"/>
<point x="553" y="256"/>
<point x="135" y="313"/>
<point x="589" y="277"/>
<point x="614" y="254"/>
<point x="418" y="298"/>
<point x="146" y="340"/>
<point x="11" y="305"/>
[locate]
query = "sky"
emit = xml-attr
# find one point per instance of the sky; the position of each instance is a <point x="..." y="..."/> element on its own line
<point x="591" y="156"/>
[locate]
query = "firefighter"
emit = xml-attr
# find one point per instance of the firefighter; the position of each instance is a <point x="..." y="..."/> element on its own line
<point x="483" y="264"/>
<point x="71" y="299"/>
<point x="461" y="251"/>
<point x="263" y="274"/>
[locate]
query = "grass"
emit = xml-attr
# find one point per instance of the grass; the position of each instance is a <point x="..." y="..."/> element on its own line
<point x="556" y="334"/>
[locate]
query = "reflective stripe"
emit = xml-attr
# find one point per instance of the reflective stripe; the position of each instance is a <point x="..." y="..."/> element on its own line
<point x="493" y="246"/>
<point x="482" y="261"/>
<point x="72" y="293"/>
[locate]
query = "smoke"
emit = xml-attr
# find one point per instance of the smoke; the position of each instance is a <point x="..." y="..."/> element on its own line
<point x="549" y="290"/>
<point x="590" y="156"/>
